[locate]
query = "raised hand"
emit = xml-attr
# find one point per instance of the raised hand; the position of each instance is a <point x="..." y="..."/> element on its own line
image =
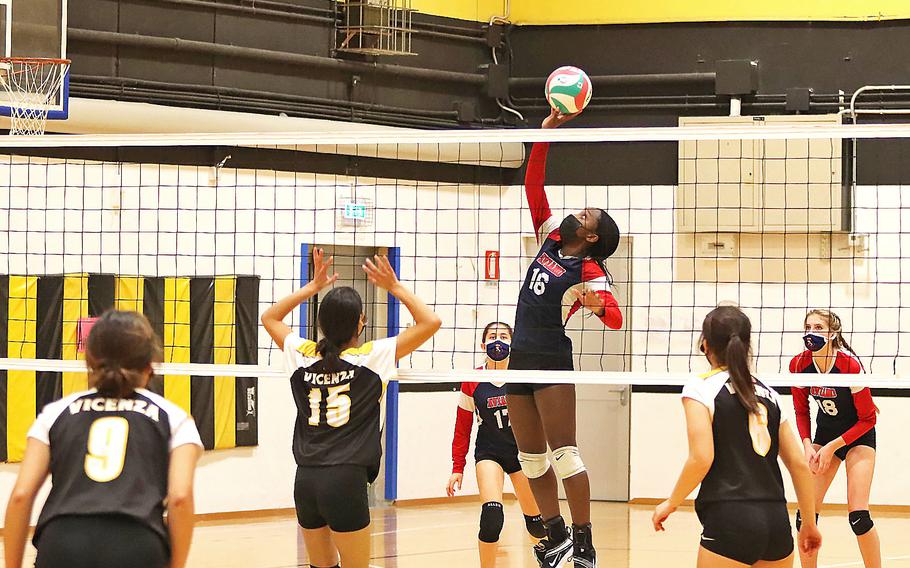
<point x="321" y="267"/>
<point x="380" y="272"/>
<point x="557" y="119"/>
<point x="590" y="300"/>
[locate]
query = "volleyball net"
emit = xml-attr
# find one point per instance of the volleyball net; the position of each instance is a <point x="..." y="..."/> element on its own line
<point x="203" y="232"/>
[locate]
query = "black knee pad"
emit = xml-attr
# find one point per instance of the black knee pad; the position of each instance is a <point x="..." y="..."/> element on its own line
<point x="491" y="520"/>
<point x="860" y="522"/>
<point x="799" y="520"/>
<point x="535" y="526"/>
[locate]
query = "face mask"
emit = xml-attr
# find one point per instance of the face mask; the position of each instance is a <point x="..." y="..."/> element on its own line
<point x="815" y="342"/>
<point x="568" y="229"/>
<point x="498" y="350"/>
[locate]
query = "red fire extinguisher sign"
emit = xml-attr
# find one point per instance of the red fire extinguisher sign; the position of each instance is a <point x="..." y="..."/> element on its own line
<point x="491" y="266"/>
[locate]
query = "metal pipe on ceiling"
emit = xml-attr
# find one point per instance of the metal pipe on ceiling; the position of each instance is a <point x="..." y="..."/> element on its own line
<point x="261" y="10"/>
<point x="85" y="83"/>
<point x="265" y="55"/>
<point x="288" y="11"/>
<point x="655" y="79"/>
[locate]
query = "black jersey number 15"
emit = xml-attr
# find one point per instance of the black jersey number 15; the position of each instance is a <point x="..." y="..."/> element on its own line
<point x="337" y="406"/>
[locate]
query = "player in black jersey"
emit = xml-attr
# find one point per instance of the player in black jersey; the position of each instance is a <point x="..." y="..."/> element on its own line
<point x="736" y="432"/>
<point x="116" y="454"/>
<point x="569" y="266"/>
<point x="339" y="390"/>
<point x="495" y="451"/>
<point x="845" y="428"/>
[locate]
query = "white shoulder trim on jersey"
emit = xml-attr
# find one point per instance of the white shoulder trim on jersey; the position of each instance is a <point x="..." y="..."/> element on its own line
<point x="775" y="398"/>
<point x="547" y="227"/>
<point x="48" y="416"/>
<point x="174" y="412"/>
<point x="183" y="427"/>
<point x="704" y="389"/>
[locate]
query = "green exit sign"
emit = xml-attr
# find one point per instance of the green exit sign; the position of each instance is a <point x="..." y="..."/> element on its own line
<point x="355" y="211"/>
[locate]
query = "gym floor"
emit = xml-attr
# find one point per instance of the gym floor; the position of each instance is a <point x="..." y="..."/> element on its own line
<point x="444" y="535"/>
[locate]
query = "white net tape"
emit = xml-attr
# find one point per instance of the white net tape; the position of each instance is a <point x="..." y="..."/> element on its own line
<point x="32" y="85"/>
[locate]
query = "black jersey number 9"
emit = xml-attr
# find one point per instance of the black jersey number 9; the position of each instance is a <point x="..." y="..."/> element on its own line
<point x="337" y="406"/>
<point x="107" y="439"/>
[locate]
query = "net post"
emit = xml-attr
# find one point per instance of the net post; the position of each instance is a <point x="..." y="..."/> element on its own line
<point x="391" y="420"/>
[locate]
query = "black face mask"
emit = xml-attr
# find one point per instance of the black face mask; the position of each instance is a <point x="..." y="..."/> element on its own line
<point x="568" y="229"/>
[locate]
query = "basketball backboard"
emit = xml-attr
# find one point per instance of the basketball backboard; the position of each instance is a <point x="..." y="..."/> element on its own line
<point x="35" y="28"/>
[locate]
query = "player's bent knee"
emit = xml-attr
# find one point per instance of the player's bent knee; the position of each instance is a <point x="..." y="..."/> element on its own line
<point x="567" y="462"/>
<point x="861" y="522"/>
<point x="491" y="520"/>
<point x="533" y="465"/>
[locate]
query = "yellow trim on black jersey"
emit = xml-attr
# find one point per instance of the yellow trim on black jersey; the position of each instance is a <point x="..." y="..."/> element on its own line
<point x="308" y="349"/>
<point x="712" y="372"/>
<point x="364" y="349"/>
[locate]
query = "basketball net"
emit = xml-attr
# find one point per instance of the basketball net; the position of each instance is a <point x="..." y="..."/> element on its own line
<point x="32" y="85"/>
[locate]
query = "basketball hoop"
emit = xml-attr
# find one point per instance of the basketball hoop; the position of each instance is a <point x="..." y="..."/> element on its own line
<point x="32" y="84"/>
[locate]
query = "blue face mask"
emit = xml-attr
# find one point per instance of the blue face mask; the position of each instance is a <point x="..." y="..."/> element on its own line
<point x="498" y="350"/>
<point x="815" y="342"/>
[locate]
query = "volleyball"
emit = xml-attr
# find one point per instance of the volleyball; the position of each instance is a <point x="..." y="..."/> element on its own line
<point x="569" y="90"/>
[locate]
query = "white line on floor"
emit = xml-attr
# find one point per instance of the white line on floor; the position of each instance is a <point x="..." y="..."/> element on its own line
<point x="860" y="563"/>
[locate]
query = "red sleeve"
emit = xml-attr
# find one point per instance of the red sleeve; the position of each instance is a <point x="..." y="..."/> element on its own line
<point x="801" y="406"/>
<point x="593" y="275"/>
<point x="865" y="410"/>
<point x="534" y="185"/>
<point x="464" y="423"/>
<point x="612" y="316"/>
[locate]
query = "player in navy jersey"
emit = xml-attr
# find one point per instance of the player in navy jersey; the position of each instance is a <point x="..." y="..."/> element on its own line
<point x="339" y="389"/>
<point x="495" y="452"/>
<point x="569" y="266"/>
<point x="736" y="432"/>
<point x="844" y="427"/>
<point x="118" y="456"/>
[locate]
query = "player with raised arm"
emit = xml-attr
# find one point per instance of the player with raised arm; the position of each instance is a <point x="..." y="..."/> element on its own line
<point x="567" y="274"/>
<point x="339" y="389"/>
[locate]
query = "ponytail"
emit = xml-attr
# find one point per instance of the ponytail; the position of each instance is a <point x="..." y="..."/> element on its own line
<point x="728" y="333"/>
<point x="737" y="360"/>
<point x="330" y="353"/>
<point x="116" y="382"/>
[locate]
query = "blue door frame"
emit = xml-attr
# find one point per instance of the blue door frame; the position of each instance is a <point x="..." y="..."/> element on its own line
<point x="392" y="328"/>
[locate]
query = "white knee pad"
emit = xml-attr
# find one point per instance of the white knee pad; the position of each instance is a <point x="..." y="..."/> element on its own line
<point x="567" y="462"/>
<point x="533" y="465"/>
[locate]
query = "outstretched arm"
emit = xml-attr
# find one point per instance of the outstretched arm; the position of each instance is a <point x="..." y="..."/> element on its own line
<point x="536" y="175"/>
<point x="534" y="186"/>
